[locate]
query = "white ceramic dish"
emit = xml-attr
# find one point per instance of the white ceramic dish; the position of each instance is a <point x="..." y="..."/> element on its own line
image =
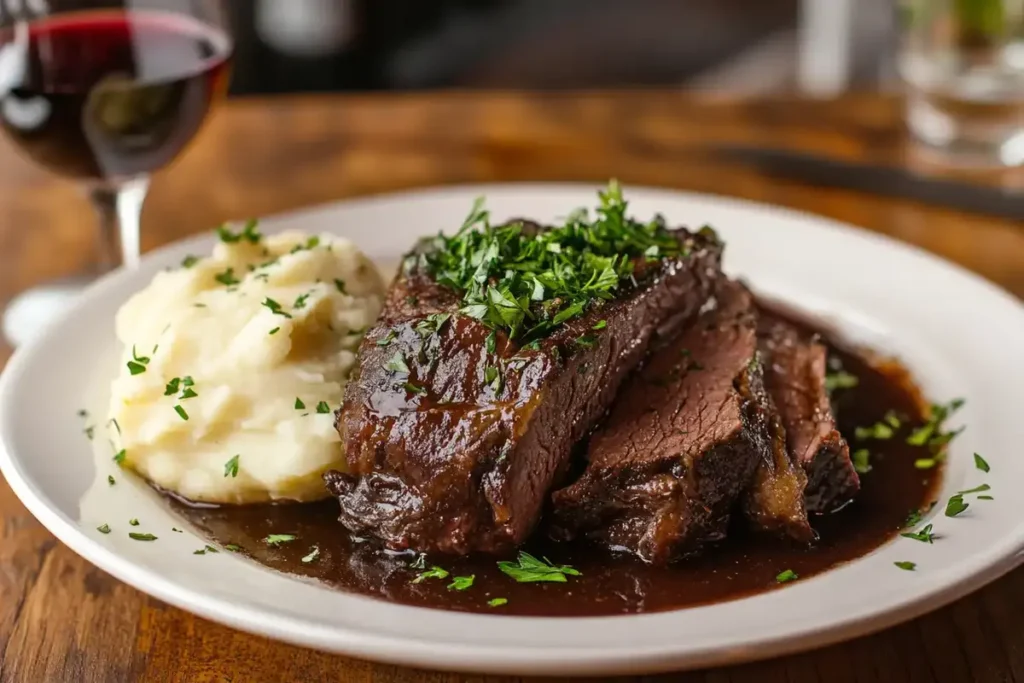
<point x="958" y="334"/>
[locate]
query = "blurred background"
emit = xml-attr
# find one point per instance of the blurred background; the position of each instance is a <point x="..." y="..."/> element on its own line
<point x="812" y="47"/>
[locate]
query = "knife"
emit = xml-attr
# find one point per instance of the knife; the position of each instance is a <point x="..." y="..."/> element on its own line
<point x="889" y="181"/>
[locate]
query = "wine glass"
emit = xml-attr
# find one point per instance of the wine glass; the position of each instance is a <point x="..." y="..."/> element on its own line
<point x="105" y="92"/>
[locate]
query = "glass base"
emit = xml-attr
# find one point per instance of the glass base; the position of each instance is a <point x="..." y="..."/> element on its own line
<point x="29" y="312"/>
<point x="985" y="134"/>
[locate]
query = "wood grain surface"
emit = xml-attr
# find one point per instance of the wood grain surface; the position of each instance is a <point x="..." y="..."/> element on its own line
<point x="63" y="620"/>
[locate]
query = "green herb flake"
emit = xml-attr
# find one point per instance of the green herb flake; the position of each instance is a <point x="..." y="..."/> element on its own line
<point x="388" y="338"/>
<point x="600" y="325"/>
<point x="299" y="405"/>
<point x="840" y="380"/>
<point x="232" y="547"/>
<point x="340" y="286"/>
<point x="110" y="480"/>
<point x="932" y="433"/>
<point x="497" y="602"/>
<point x="89" y="432"/>
<point x="172" y="387"/>
<point x="189" y="392"/>
<point x="985" y="498"/>
<point x="274" y="331"/>
<point x="313" y="554"/>
<point x="137" y="365"/>
<point x="323" y="408"/>
<point x="787" y="576"/>
<point x="981" y="464"/>
<point x="249" y="233"/>
<point x="529" y="569"/>
<point x="414" y="389"/>
<point x="956" y="505"/>
<point x="925" y="463"/>
<point x="397" y="364"/>
<point x="103" y="528"/>
<point x="141" y="537"/>
<point x="278" y="539"/>
<point x="906" y="566"/>
<point x="461" y="583"/>
<point x="925" y="535"/>
<point x="274" y="307"/>
<point x="133" y="522"/>
<point x="227" y="278"/>
<point x="231" y="467"/>
<point x="177" y="530"/>
<point x="300" y="301"/>
<point x="120" y="456"/>
<point x="861" y="460"/>
<point x="181" y="413"/>
<point x="189" y="261"/>
<point x="432" y="573"/>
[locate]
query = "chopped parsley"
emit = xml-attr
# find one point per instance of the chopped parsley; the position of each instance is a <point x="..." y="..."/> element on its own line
<point x="205" y="549"/>
<point x="600" y="325"/>
<point x="955" y="505"/>
<point x="925" y="463"/>
<point x="397" y="363"/>
<point x="461" y="583"/>
<point x="491" y="343"/>
<point x="110" y="480"/>
<point x="232" y="547"/>
<point x="433" y="323"/>
<point x="172" y="387"/>
<point x="113" y="421"/>
<point x="141" y="537"/>
<point x="103" y="528"/>
<point x="231" y="467"/>
<point x="176" y="530"/>
<point x="313" y="554"/>
<point x="787" y="576"/>
<point x="586" y="341"/>
<point x="387" y="339"/>
<point x="323" y="408"/>
<point x="120" y="456"/>
<point x="274" y="307"/>
<point x="181" y="413"/>
<point x="981" y="464"/>
<point x="861" y="460"/>
<point x="249" y="233"/>
<point x="528" y="569"/>
<point x="931" y="434"/>
<point x="915" y="517"/>
<point x="497" y="602"/>
<point x="300" y="301"/>
<point x="492" y="377"/>
<point x="274" y="331"/>
<point x="985" y="498"/>
<point x="278" y="539"/>
<point x="227" y="277"/>
<point x="529" y="284"/>
<point x="925" y="535"/>
<point x="415" y="389"/>
<point x="89" y="432"/>
<point x="840" y="380"/>
<point x="299" y="405"/>
<point x="189" y="261"/>
<point x="133" y="522"/>
<point x="137" y="365"/>
<point x="340" y="285"/>
<point x="883" y="429"/>
<point x="432" y="573"/>
<point x="906" y="566"/>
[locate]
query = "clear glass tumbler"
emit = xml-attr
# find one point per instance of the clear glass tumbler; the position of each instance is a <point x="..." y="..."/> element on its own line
<point x="963" y="65"/>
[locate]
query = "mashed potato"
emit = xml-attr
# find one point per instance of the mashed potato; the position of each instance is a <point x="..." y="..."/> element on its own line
<point x="235" y="363"/>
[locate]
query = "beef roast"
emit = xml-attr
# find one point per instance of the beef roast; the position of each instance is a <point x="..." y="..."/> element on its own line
<point x="453" y="446"/>
<point x="795" y="367"/>
<point x="681" y="444"/>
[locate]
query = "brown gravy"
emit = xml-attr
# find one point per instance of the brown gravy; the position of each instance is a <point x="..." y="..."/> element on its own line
<point x="741" y="566"/>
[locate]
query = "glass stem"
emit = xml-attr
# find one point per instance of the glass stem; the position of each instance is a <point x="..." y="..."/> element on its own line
<point x="120" y="211"/>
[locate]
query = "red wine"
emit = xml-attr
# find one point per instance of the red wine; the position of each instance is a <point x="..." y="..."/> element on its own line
<point x="111" y="94"/>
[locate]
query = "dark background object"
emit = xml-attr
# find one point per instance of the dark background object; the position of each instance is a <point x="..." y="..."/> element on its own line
<point x="343" y="45"/>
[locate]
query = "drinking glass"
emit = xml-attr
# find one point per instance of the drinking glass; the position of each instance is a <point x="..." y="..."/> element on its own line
<point x="963" y="64"/>
<point x="105" y="92"/>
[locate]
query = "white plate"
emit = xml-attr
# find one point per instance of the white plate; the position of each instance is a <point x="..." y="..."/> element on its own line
<point x="958" y="334"/>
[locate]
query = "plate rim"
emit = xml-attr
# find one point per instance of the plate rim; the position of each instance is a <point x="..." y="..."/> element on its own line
<point x="514" y="658"/>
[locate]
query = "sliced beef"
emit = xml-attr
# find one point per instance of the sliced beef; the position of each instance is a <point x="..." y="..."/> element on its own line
<point x="681" y="444"/>
<point x="453" y="447"/>
<point x="795" y="366"/>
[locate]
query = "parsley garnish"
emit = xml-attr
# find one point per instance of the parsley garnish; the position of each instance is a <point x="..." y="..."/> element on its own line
<point x="415" y="389"/>
<point x="985" y="498"/>
<point x="137" y="365"/>
<point x="231" y="467"/>
<point x="492" y="377"/>
<point x="931" y="433"/>
<point x="133" y="522"/>
<point x="925" y="535"/>
<point x="529" y="284"/>
<point x="300" y="301"/>
<point x="232" y="547"/>
<point x="274" y="331"/>
<point x="111" y="480"/>
<point x="103" y="528"/>
<point x="172" y="387"/>
<point x="275" y="307"/>
<point x="433" y="324"/>
<point x="340" y="284"/>
<point x="787" y="576"/>
<point x="387" y="339"/>
<point x="840" y="380"/>
<point x="914" y="518"/>
<point x="227" y="277"/>
<point x="181" y="413"/>
<point x="313" y="554"/>
<point x="397" y="363"/>
<point x="141" y="537"/>
<point x="120" y="456"/>
<point x="113" y="421"/>
<point x="883" y="429"/>
<point x="299" y="405"/>
<point x="980" y="463"/>
<point x="89" y="432"/>
<point x="528" y="568"/>
<point x="497" y="602"/>
<point x="906" y="566"/>
<point x="461" y="583"/>
<point x="600" y="325"/>
<point x="955" y="505"/>
<point x="432" y="573"/>
<point x="323" y="408"/>
<point x="861" y="460"/>
<point x="189" y="261"/>
<point x="278" y="539"/>
<point x="249" y="233"/>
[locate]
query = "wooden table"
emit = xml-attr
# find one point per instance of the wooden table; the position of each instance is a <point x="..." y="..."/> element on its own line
<point x="63" y="620"/>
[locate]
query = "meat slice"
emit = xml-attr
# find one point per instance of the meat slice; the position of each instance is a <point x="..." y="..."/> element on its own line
<point x="795" y="367"/>
<point x="453" y="446"/>
<point x="681" y="443"/>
